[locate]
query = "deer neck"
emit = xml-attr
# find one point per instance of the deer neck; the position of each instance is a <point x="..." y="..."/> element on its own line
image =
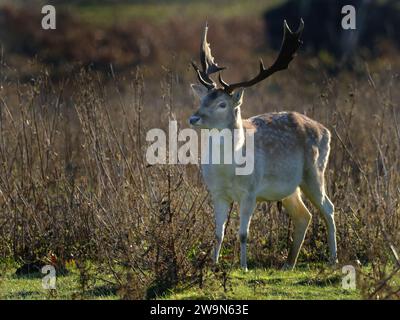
<point x="237" y="126"/>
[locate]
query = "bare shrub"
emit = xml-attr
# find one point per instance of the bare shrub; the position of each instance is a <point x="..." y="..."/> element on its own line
<point x="74" y="184"/>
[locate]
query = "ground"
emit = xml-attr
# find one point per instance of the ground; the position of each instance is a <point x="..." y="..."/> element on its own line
<point x="307" y="282"/>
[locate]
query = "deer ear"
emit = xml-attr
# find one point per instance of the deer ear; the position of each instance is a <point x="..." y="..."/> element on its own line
<point x="199" y="90"/>
<point x="238" y="97"/>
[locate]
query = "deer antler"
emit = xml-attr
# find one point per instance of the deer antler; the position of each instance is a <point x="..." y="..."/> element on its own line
<point x="290" y="43"/>
<point x="207" y="63"/>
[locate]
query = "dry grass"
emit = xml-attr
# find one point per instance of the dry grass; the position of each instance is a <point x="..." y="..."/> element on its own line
<point x="74" y="184"/>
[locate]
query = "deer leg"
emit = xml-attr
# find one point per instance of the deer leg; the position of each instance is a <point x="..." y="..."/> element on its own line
<point x="221" y="209"/>
<point x="301" y="218"/>
<point x="247" y="207"/>
<point x="313" y="188"/>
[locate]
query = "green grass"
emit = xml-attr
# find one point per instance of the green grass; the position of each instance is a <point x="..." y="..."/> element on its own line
<point x="67" y="287"/>
<point x="164" y="10"/>
<point x="303" y="283"/>
<point x="30" y="288"/>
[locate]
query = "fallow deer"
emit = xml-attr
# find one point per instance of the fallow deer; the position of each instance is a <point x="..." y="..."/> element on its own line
<point x="290" y="153"/>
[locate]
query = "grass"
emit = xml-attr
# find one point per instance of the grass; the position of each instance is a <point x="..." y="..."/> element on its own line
<point x="163" y="10"/>
<point x="303" y="283"/>
<point x="272" y="284"/>
<point x="29" y="287"/>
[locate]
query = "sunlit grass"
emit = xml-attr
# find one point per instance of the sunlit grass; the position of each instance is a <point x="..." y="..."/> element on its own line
<point x="164" y="10"/>
<point x="68" y="287"/>
<point x="266" y="284"/>
<point x="303" y="283"/>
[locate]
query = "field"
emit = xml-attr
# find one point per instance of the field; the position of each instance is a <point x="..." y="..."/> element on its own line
<point x="76" y="191"/>
<point x="304" y="283"/>
<point x="159" y="12"/>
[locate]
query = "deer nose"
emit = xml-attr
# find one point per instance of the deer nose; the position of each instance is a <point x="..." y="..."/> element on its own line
<point x="194" y="119"/>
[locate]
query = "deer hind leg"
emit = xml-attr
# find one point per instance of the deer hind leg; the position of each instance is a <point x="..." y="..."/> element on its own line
<point x="301" y="218"/>
<point x="314" y="189"/>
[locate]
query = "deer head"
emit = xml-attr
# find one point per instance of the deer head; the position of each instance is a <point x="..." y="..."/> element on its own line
<point x="220" y="107"/>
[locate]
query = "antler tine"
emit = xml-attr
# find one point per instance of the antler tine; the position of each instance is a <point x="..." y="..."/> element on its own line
<point x="290" y="43"/>
<point x="207" y="63"/>
<point x="208" y="85"/>
<point x="222" y="82"/>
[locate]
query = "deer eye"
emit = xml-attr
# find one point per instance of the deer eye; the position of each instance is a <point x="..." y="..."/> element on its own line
<point x="222" y="105"/>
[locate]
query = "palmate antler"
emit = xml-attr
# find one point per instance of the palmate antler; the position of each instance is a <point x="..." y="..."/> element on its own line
<point x="207" y="63"/>
<point x="290" y="43"/>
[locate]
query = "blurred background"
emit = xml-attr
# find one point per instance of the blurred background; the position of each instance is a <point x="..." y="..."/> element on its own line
<point x="128" y="33"/>
<point x="157" y="36"/>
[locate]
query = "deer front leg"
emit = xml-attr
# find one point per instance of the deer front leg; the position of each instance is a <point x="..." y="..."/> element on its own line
<point x="221" y="209"/>
<point x="247" y="207"/>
